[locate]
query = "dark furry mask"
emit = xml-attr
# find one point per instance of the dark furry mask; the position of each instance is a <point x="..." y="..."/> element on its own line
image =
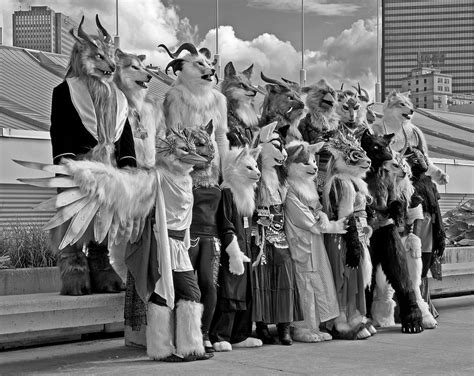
<point x="377" y="147"/>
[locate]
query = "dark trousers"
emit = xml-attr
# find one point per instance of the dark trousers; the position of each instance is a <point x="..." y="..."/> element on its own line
<point x="204" y="256"/>
<point x="185" y="288"/>
<point x="231" y="326"/>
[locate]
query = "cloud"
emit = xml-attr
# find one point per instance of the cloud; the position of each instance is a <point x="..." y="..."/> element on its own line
<point x="143" y="24"/>
<point x="349" y="57"/>
<point x="321" y="7"/>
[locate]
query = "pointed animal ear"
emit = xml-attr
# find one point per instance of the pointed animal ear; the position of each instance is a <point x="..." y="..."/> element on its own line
<point x="248" y="72"/>
<point x="255" y="152"/>
<point x="315" y="148"/>
<point x="284" y="130"/>
<point x="209" y="128"/>
<point x="205" y="51"/>
<point x="229" y="70"/>
<point x="141" y="57"/>
<point x="306" y="89"/>
<point x="242" y="154"/>
<point x="186" y="132"/>
<point x="388" y="137"/>
<point x="267" y="131"/>
<point x="119" y="53"/>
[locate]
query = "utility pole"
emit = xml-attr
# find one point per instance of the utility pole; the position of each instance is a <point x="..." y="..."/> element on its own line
<point x="378" y="96"/>
<point x="116" y="38"/>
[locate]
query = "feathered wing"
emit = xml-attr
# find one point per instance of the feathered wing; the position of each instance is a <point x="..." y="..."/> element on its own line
<point x="115" y="201"/>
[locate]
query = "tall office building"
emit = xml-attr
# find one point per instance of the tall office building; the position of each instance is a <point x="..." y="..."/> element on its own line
<point x="428" y="33"/>
<point x="41" y="28"/>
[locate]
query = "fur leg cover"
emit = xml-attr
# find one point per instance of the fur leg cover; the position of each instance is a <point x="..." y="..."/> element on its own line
<point x="188" y="328"/>
<point x="383" y="306"/>
<point x="388" y="246"/>
<point x="249" y="342"/>
<point x="159" y="332"/>
<point x="415" y="266"/>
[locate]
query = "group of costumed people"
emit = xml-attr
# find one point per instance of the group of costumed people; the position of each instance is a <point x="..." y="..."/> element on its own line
<point x="314" y="216"/>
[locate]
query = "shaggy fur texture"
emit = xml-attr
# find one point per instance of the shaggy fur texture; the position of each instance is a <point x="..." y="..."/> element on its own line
<point x="193" y="101"/>
<point x="282" y="104"/>
<point x="240" y="94"/>
<point x="397" y="114"/>
<point x="188" y="328"/>
<point x="159" y="332"/>
<point x="240" y="174"/>
<point x="321" y="101"/>
<point x="205" y="175"/>
<point x="383" y="305"/>
<point x="348" y="106"/>
<point x="145" y="112"/>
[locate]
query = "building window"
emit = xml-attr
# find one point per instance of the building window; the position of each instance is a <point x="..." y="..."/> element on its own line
<point x="440" y="80"/>
<point x="424" y="81"/>
<point x="424" y="99"/>
<point x="446" y="88"/>
<point x="424" y="89"/>
<point x="440" y="88"/>
<point x="417" y="82"/>
<point x="446" y="80"/>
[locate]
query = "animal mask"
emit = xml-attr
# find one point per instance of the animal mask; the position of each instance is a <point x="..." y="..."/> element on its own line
<point x="347" y="157"/>
<point x="398" y="105"/>
<point x="377" y="147"/>
<point x="321" y="97"/>
<point x="195" y="67"/>
<point x="281" y="101"/>
<point x="131" y="72"/>
<point x="202" y="140"/>
<point x="416" y="160"/>
<point x="273" y="153"/>
<point x="92" y="55"/>
<point x="301" y="161"/>
<point x="237" y="86"/>
<point x="348" y="106"/>
<point x="240" y="164"/>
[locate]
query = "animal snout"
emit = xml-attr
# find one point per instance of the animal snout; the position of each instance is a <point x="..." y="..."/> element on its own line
<point x="149" y="76"/>
<point x="411" y="112"/>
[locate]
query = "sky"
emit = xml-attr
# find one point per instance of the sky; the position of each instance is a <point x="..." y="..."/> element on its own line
<point x="340" y="35"/>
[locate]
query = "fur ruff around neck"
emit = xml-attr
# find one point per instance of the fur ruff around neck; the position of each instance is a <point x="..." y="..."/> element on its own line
<point x="326" y="122"/>
<point x="244" y="195"/>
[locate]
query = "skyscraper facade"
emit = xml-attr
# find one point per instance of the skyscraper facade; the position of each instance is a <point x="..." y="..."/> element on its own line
<point x="41" y="28"/>
<point x="428" y="33"/>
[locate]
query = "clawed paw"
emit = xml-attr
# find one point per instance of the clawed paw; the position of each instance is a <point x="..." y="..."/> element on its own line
<point x="412" y="328"/>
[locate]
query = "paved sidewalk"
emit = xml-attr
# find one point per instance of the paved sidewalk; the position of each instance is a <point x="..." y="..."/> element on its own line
<point x="447" y="350"/>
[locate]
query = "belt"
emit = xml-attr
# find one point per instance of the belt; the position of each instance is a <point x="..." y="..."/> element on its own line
<point x="177" y="234"/>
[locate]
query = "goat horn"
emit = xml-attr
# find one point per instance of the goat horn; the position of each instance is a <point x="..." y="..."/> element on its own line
<point x="185" y="46"/>
<point x="342" y="86"/>
<point x="83" y="35"/>
<point x="271" y="80"/>
<point x="104" y="32"/>
<point x="366" y="94"/>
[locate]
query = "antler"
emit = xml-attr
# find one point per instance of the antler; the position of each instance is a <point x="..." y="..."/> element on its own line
<point x="105" y="33"/>
<point x="185" y="46"/>
<point x="83" y="35"/>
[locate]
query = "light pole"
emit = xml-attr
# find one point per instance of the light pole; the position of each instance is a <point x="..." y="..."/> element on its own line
<point x="116" y="37"/>
<point x="302" y="70"/>
<point x="217" y="57"/>
<point x="377" y="84"/>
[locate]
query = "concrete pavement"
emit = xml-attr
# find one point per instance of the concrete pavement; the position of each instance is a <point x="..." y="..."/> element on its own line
<point x="447" y="350"/>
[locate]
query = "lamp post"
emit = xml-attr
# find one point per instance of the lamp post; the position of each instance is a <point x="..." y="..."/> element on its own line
<point x="377" y="84"/>
<point x="302" y="70"/>
<point x="217" y="57"/>
<point x="116" y="37"/>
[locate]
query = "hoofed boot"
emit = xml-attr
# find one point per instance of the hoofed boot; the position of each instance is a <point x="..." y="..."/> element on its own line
<point x="189" y="343"/>
<point x="284" y="333"/>
<point x="104" y="279"/>
<point x="159" y="333"/>
<point x="264" y="334"/>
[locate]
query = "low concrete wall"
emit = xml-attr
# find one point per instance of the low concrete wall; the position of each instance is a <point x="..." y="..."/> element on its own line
<point x="29" y="281"/>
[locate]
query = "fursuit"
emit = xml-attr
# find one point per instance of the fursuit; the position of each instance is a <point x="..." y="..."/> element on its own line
<point x="397" y="113"/>
<point x="345" y="196"/>
<point x="193" y="99"/>
<point x="387" y="248"/>
<point x="242" y="117"/>
<point x="305" y="224"/>
<point x="231" y="326"/>
<point x="283" y="104"/>
<point x="144" y="110"/>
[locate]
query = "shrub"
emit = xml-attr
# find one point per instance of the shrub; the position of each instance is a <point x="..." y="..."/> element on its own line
<point x="25" y="245"/>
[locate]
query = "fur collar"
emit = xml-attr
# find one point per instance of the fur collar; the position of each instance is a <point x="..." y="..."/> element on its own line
<point x="305" y="190"/>
<point x="244" y="113"/>
<point x="323" y="121"/>
<point x="244" y="195"/>
<point x="206" y="177"/>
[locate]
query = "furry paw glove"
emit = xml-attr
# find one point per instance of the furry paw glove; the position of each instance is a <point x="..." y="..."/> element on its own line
<point x="236" y="257"/>
<point x="353" y="244"/>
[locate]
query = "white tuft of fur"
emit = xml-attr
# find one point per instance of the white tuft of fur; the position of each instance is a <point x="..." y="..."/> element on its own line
<point x="159" y="332"/>
<point x="366" y="267"/>
<point x="248" y="343"/>
<point x="222" y="346"/>
<point x="438" y="175"/>
<point x="413" y="245"/>
<point x="383" y="306"/>
<point x="240" y="180"/>
<point x="188" y="328"/>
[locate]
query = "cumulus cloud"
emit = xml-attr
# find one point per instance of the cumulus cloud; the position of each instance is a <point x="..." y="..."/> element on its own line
<point x="321" y="7"/>
<point x="349" y="57"/>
